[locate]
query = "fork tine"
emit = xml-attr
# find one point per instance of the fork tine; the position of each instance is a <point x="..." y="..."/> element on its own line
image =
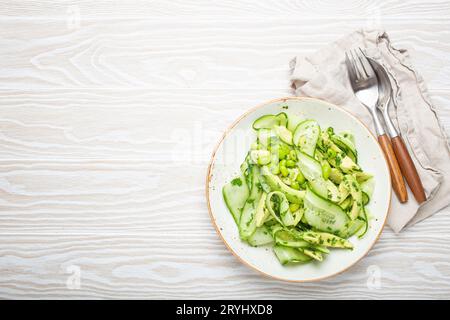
<point x="350" y="67"/>
<point x="366" y="64"/>
<point x="353" y="67"/>
<point x="351" y="71"/>
<point x="358" y="64"/>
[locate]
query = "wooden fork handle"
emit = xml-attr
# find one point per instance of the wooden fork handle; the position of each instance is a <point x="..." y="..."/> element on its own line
<point x="398" y="184"/>
<point x="408" y="169"/>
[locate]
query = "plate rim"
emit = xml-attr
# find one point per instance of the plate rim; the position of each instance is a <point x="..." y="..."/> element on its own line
<point x="208" y="181"/>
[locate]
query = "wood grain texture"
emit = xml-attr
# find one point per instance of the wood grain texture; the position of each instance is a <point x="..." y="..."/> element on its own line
<point x="398" y="183"/>
<point x="306" y="9"/>
<point x="408" y="169"/>
<point x="109" y="112"/>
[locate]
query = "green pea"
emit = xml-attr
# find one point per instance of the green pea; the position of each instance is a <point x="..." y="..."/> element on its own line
<point x="294" y="207"/>
<point x="282" y="163"/>
<point x="326" y="169"/>
<point x="284" y="171"/>
<point x="282" y="153"/>
<point x="290" y="163"/>
<point x="300" y="178"/>
<point x="295" y="185"/>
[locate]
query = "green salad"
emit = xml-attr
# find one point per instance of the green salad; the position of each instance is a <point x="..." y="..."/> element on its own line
<point x="300" y="189"/>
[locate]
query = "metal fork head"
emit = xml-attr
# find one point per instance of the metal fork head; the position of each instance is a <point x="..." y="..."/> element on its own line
<point x="385" y="91"/>
<point x="384" y="85"/>
<point x="362" y="78"/>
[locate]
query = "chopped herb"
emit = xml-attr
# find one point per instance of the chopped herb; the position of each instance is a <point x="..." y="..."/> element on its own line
<point x="236" y="182"/>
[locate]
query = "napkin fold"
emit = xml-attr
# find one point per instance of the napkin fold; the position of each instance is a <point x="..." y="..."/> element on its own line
<point x="324" y="75"/>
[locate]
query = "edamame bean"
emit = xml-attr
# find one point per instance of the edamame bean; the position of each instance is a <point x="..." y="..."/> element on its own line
<point x="326" y="169"/>
<point x="295" y="185"/>
<point x="284" y="171"/>
<point x="290" y="163"/>
<point x="294" y="207"/>
<point x="283" y="151"/>
<point x="300" y="177"/>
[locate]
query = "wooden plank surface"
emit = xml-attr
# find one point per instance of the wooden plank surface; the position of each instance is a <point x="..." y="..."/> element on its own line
<point x="108" y="115"/>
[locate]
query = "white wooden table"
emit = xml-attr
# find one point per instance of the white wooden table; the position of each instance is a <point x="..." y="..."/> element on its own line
<point x="109" y="111"/>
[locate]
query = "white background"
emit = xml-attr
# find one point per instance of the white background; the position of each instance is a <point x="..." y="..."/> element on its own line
<point x="109" y="111"/>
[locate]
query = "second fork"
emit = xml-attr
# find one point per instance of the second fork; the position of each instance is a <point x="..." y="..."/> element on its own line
<point x="366" y="87"/>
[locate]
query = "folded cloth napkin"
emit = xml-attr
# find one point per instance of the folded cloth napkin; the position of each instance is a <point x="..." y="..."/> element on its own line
<point x="324" y="75"/>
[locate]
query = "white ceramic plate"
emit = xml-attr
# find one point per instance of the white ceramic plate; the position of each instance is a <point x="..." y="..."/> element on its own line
<point x="230" y="153"/>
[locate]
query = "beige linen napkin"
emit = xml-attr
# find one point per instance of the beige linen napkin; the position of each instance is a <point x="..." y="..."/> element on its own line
<point x="324" y="75"/>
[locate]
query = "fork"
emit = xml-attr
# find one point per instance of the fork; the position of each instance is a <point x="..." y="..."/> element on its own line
<point x="405" y="162"/>
<point x="364" y="83"/>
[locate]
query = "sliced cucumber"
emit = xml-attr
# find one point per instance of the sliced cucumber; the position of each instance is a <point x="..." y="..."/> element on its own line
<point x="362" y="231"/>
<point x="284" y="134"/>
<point x="326" y="189"/>
<point x="362" y="176"/>
<point x="298" y="215"/>
<point x="266" y="122"/>
<point x="261" y="213"/>
<point x="247" y="221"/>
<point x="245" y="170"/>
<point x="282" y="119"/>
<point x="347" y="145"/>
<point x="346" y="203"/>
<point x="323" y="214"/>
<point x="365" y="198"/>
<point x="261" y="157"/>
<point x="319" y="187"/>
<point x="260" y="237"/>
<point x="306" y="135"/>
<point x="269" y="121"/>
<point x="275" y="228"/>
<point x="310" y="167"/>
<point x="235" y="194"/>
<point x="244" y="166"/>
<point x="353" y="227"/>
<point x="293" y="121"/>
<point x="288" y="219"/>
<point x="278" y="206"/>
<point x="264" y="136"/>
<point x="290" y="255"/>
<point x="275" y="183"/>
<point x="368" y="186"/>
